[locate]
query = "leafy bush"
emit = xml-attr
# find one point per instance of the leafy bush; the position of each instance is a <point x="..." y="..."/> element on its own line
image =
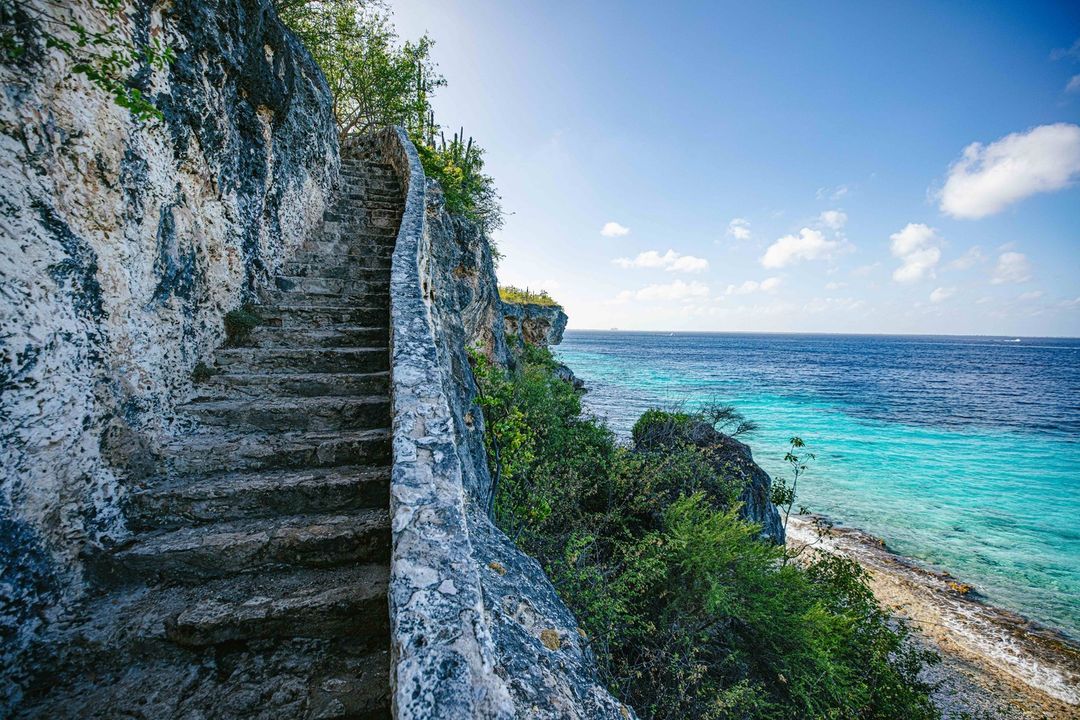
<point x="689" y="614"/>
<point x="104" y="57"/>
<point x="377" y="81"/>
<point x="238" y="325"/>
<point x="512" y="294"/>
<point x="458" y="166"/>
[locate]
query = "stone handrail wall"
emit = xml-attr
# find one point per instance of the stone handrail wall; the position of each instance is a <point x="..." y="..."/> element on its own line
<point x="442" y="653"/>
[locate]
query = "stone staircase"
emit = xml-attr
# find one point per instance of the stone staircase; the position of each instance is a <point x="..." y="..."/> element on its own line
<point x="255" y="585"/>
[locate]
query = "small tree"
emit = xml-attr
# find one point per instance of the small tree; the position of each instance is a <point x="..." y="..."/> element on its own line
<point x="374" y="81"/>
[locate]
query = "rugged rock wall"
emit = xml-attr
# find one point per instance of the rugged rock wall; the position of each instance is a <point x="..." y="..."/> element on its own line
<point x="477" y="630"/>
<point x="122" y="245"/>
<point x="533" y="324"/>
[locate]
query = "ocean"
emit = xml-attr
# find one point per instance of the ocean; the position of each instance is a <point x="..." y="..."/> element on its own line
<point x="958" y="452"/>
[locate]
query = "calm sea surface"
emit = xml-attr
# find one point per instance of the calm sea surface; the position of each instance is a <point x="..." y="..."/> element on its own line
<point x="960" y="452"/>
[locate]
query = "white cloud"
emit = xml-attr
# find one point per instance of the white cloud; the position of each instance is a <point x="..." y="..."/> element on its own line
<point x="739" y="228"/>
<point x="825" y="193"/>
<point x="677" y="290"/>
<point x="987" y="178"/>
<point x="807" y="245"/>
<point x="941" y="294"/>
<point x="614" y="229"/>
<point x="917" y="247"/>
<point x="1073" y="85"/>
<point x="1012" y="267"/>
<point x="670" y="261"/>
<point x="1033" y="295"/>
<point x="833" y="219"/>
<point x="835" y="285"/>
<point x="968" y="260"/>
<point x="753" y="286"/>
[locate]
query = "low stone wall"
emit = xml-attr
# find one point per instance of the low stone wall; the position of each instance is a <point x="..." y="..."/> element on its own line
<point x="477" y="630"/>
<point x="441" y="647"/>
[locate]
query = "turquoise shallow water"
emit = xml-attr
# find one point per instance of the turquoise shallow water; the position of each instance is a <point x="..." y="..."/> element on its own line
<point x="958" y="452"/>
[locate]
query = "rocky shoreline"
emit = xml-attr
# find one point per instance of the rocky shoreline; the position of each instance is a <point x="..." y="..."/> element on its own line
<point x="995" y="662"/>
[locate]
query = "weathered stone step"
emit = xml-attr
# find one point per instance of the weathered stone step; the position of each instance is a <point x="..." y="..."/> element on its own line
<point x="325" y="337"/>
<point x="288" y="414"/>
<point x="185" y="502"/>
<point x="331" y="286"/>
<point x="364" y="201"/>
<point x="208" y="453"/>
<point x="302" y="678"/>
<point x="233" y="385"/>
<point x="225" y="549"/>
<point x="371" y="297"/>
<point x="292" y="316"/>
<point x="344" y="244"/>
<point x="289" y="360"/>
<point x="305" y="603"/>
<point x="366" y="268"/>
<point x="345" y="253"/>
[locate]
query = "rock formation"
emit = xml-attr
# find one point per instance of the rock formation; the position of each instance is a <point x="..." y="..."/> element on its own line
<point x="122" y="245"/>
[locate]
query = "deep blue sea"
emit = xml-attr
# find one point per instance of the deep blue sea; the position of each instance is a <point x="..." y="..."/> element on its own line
<point x="960" y="452"/>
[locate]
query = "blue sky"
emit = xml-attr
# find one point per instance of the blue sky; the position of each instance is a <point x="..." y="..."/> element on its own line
<point x="832" y="134"/>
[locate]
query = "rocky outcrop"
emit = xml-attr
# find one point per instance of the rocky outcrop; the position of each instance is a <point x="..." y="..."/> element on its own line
<point x="533" y="323"/>
<point x="122" y="245"/>
<point x="477" y="630"/>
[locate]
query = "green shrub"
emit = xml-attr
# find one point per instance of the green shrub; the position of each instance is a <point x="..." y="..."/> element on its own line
<point x="202" y="372"/>
<point x="238" y="325"/>
<point x="512" y="294"/>
<point x="689" y="614"/>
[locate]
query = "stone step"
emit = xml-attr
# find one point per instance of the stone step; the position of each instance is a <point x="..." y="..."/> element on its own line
<point x="289" y="360"/>
<point x="303" y="678"/>
<point x="304" y="603"/>
<point x="206" y="453"/>
<point x="366" y="200"/>
<point x="192" y="555"/>
<point x="342" y="246"/>
<point x="307" y="316"/>
<point x="185" y="502"/>
<point x="289" y="414"/>
<point x="370" y="297"/>
<point x="366" y="268"/>
<point x="331" y="286"/>
<point x="325" y="337"/>
<point x="235" y="385"/>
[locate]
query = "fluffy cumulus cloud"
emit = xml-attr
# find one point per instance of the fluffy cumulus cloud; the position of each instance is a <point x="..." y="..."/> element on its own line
<point x="753" y="286"/>
<point x="807" y="245"/>
<point x="614" y="229"/>
<point x="988" y="178"/>
<point x="1012" y="267"/>
<point x="739" y="228"/>
<point x="677" y="290"/>
<point x="942" y="294"/>
<point x="833" y="219"/>
<point x="670" y="261"/>
<point x="917" y="247"/>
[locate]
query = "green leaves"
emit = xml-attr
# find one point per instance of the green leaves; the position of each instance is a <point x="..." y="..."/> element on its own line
<point x="104" y="57"/>
<point x="688" y="613"/>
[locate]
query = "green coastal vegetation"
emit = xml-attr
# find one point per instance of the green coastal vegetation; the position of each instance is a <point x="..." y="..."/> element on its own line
<point x="377" y="81"/>
<point x="689" y="612"/>
<point x="519" y="296"/>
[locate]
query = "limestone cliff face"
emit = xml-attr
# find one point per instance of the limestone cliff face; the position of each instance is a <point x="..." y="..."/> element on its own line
<point x="122" y="245"/>
<point x="533" y="323"/>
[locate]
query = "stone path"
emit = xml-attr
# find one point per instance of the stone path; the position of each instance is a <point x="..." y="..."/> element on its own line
<point x="255" y="584"/>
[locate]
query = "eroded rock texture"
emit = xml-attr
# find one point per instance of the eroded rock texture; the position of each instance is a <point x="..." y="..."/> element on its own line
<point x="122" y="245"/>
